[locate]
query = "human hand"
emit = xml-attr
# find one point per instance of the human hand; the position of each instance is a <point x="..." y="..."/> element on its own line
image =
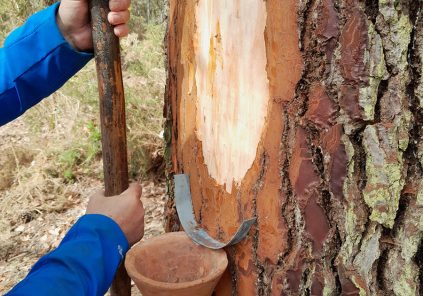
<point x="125" y="209"/>
<point x="73" y="19"/>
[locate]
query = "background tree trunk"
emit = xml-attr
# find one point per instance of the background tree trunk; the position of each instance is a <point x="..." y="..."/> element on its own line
<point x="306" y="114"/>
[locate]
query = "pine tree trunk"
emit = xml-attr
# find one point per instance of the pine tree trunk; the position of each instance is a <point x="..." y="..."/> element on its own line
<point x="306" y="114"/>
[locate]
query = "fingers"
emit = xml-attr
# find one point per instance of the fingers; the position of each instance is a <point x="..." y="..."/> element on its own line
<point x="134" y="190"/>
<point x="121" y="30"/>
<point x="119" y="5"/>
<point x="118" y="17"/>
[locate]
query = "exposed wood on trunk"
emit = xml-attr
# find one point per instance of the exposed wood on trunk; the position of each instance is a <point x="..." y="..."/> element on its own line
<point x="332" y="168"/>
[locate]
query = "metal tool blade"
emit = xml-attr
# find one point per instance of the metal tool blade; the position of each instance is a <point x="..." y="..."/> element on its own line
<point x="185" y="210"/>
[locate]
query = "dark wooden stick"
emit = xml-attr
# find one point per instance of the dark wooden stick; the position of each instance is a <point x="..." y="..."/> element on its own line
<point x="112" y="115"/>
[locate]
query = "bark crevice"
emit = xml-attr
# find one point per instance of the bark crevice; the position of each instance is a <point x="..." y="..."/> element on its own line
<point x="262" y="286"/>
<point x="416" y="132"/>
<point x="419" y="261"/>
<point x="350" y="155"/>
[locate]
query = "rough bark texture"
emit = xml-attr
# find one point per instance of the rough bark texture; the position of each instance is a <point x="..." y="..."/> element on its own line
<point x="112" y="117"/>
<point x="336" y="183"/>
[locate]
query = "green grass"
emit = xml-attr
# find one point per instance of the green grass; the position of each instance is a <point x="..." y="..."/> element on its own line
<point x="14" y="12"/>
<point x="144" y="81"/>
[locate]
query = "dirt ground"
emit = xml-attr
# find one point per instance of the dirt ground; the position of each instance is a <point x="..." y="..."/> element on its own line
<point x="23" y="241"/>
<point x="26" y="243"/>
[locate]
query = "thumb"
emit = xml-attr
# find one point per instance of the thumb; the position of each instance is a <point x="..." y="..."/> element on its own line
<point x="97" y="194"/>
<point x="134" y="189"/>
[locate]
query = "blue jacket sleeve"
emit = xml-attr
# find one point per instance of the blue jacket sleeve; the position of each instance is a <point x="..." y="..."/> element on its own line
<point x="35" y="61"/>
<point x="84" y="263"/>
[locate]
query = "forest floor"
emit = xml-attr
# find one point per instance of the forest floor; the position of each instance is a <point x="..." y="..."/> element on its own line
<point x="24" y="243"/>
<point x="50" y="158"/>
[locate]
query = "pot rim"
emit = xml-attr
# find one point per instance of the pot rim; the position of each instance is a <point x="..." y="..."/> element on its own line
<point x="220" y="269"/>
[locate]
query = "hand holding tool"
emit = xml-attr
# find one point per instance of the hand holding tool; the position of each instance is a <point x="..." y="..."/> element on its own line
<point x="112" y="115"/>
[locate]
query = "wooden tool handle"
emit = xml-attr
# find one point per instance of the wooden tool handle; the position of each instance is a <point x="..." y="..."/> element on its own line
<point x="112" y="115"/>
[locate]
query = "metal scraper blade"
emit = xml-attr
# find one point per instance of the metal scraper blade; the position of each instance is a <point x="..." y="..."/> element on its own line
<point x="186" y="216"/>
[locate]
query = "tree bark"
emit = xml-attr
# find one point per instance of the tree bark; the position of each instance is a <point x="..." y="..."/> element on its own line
<point x="306" y="114"/>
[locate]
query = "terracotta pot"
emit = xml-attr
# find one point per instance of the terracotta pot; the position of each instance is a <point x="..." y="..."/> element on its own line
<point x="171" y="264"/>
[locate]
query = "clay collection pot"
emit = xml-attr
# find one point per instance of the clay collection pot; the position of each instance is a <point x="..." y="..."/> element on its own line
<point x="173" y="265"/>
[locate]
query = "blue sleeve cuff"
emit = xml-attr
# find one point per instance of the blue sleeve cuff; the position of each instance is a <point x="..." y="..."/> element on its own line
<point x="85" y="262"/>
<point x="109" y="231"/>
<point x="39" y="37"/>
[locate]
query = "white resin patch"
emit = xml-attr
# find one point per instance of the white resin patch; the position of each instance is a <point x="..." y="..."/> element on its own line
<point x="232" y="85"/>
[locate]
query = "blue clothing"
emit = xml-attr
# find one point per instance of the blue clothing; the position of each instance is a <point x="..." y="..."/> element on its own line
<point x="84" y="263"/>
<point x="35" y="61"/>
